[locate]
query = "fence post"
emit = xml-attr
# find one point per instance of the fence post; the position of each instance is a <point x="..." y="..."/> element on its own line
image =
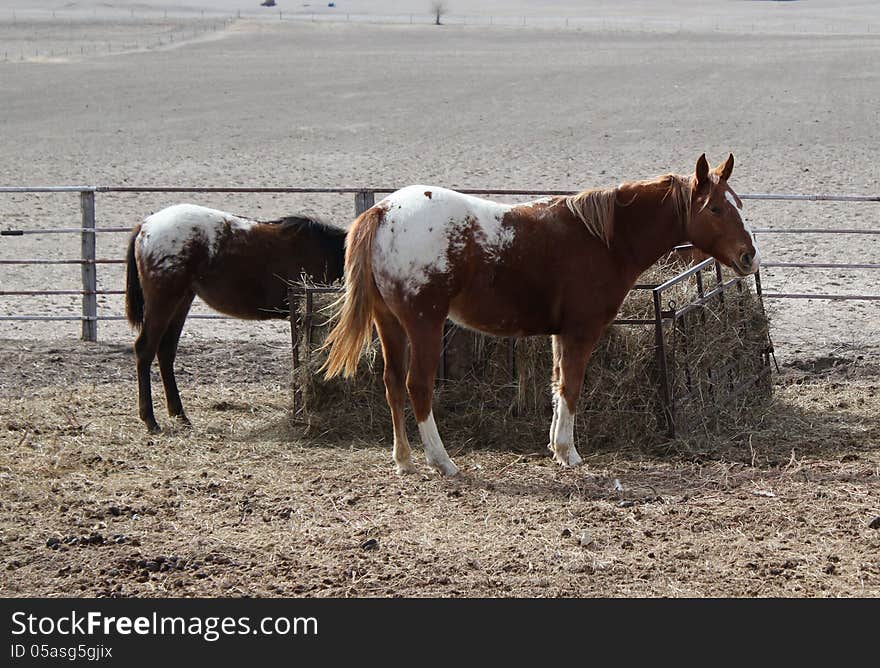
<point x="294" y="293"/>
<point x="363" y="200"/>
<point x="662" y="368"/>
<point x="89" y="275"/>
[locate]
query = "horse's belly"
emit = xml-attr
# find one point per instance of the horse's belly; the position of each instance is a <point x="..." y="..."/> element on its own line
<point x="240" y="300"/>
<point x="499" y="316"/>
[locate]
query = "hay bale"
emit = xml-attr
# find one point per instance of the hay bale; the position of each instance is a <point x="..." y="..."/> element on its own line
<point x="484" y="400"/>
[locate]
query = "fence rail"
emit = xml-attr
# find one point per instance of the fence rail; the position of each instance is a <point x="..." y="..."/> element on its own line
<point x="819" y="22"/>
<point x="364" y="198"/>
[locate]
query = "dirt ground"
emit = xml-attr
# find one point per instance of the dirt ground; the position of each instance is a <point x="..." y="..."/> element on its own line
<point x="244" y="505"/>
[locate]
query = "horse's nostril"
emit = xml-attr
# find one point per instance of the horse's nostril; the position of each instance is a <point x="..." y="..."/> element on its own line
<point x="746" y="259"/>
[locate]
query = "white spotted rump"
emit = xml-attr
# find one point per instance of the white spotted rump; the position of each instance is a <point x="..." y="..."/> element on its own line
<point x="425" y="228"/>
<point x="167" y="233"/>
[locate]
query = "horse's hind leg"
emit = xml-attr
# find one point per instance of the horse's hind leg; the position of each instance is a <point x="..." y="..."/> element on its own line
<point x="393" y="338"/>
<point x="158" y="312"/>
<point x="167" y="354"/>
<point x="426" y="344"/>
<point x="145" y="347"/>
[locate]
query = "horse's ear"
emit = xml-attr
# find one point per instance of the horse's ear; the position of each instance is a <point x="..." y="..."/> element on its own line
<point x="724" y="171"/>
<point x="702" y="171"/>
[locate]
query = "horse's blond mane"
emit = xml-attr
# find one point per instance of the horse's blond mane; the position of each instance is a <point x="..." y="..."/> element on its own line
<point x="595" y="208"/>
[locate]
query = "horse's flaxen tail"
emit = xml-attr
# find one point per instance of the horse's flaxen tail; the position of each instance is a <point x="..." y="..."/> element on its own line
<point x="353" y="331"/>
<point x="134" y="294"/>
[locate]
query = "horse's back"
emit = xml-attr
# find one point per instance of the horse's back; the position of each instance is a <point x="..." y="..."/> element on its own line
<point x="192" y="215"/>
<point x="428" y="232"/>
<point x="431" y="204"/>
<point x="169" y="235"/>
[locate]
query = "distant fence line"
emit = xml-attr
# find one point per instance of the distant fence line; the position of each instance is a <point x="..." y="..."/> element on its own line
<point x="104" y="46"/>
<point x="614" y="23"/>
<point x="364" y="198"/>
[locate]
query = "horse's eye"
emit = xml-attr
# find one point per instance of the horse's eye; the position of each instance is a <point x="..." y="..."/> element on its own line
<point x="715" y="209"/>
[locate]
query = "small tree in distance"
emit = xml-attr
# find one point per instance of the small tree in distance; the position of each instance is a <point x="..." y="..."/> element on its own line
<point x="438" y="9"/>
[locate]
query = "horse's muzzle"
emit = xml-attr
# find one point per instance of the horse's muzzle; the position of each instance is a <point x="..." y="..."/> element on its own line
<point x="747" y="263"/>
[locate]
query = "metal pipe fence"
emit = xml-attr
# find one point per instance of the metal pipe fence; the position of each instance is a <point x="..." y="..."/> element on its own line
<point x="363" y="199"/>
<point x="812" y="23"/>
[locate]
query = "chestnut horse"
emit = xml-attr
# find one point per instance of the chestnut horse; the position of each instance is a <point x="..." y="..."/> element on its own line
<point x="238" y="266"/>
<point x="560" y="266"/>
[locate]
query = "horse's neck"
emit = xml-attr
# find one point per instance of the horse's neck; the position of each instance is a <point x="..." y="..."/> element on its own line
<point x="338" y="253"/>
<point x="329" y="251"/>
<point x="644" y="230"/>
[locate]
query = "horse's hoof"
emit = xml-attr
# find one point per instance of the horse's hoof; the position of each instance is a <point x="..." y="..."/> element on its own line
<point x="447" y="468"/>
<point x="569" y="459"/>
<point x="404" y="468"/>
<point x="183" y="422"/>
<point x="154" y="429"/>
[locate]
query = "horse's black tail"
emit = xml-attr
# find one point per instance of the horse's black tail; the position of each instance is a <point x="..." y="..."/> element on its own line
<point x="134" y="294"/>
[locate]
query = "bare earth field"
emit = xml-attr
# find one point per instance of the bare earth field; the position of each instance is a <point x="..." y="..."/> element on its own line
<point x="247" y="503"/>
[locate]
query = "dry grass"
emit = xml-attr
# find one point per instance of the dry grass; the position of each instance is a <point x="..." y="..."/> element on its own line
<point x="93" y="506"/>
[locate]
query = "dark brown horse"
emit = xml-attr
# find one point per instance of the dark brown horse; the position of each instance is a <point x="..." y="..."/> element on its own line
<point x="237" y="266"/>
<point x="560" y="266"/>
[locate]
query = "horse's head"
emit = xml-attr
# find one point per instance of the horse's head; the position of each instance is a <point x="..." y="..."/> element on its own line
<point x="716" y="226"/>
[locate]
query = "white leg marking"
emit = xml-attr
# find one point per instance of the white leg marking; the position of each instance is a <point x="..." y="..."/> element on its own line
<point x="563" y="438"/>
<point x="435" y="453"/>
<point x="554" y="400"/>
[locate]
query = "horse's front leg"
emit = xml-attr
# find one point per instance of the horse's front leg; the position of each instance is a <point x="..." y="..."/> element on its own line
<point x="574" y="354"/>
<point x="554" y="389"/>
